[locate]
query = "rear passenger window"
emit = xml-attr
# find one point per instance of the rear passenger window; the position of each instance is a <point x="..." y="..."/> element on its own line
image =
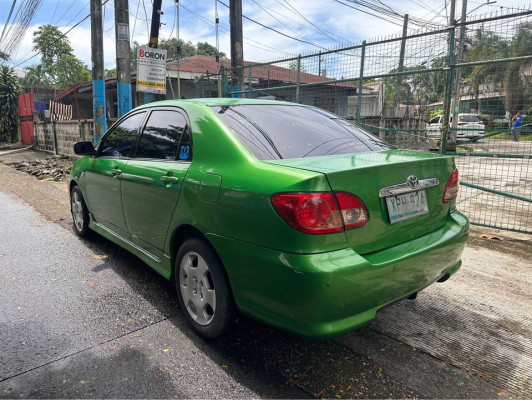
<point x="162" y="135"/>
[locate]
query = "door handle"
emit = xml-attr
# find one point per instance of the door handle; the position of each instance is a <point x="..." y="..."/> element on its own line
<point x="116" y="173"/>
<point x="169" y="179"/>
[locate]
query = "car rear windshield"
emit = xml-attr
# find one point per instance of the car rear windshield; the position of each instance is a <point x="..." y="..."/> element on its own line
<point x="276" y="131"/>
<point x="468" y="118"/>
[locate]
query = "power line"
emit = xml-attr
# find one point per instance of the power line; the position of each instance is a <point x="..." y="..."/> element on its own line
<point x="55" y="10"/>
<point x="263" y="8"/>
<point x="310" y="22"/>
<point x="260" y="46"/>
<point x="62" y="36"/>
<point x="275" y="30"/>
<point x="7" y="20"/>
<point x="367" y="12"/>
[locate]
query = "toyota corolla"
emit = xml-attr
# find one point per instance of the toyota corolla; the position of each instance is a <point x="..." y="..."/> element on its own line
<point x="280" y="211"/>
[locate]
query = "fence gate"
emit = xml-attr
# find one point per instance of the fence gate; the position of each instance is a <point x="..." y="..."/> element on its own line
<point x="452" y="89"/>
<point x="26" y="108"/>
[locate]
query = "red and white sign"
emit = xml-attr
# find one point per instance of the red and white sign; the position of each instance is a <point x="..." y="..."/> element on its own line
<point x="151" y="70"/>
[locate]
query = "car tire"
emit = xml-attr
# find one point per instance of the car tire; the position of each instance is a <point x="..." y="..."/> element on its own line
<point x="203" y="289"/>
<point x="80" y="213"/>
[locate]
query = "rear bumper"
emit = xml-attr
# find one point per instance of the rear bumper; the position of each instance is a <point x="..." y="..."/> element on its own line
<point x="331" y="293"/>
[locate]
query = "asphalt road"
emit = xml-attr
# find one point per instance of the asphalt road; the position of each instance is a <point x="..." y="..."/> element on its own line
<point x="84" y="318"/>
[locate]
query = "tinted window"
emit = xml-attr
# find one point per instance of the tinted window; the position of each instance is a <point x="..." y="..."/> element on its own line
<point x="121" y="140"/>
<point x="435" y="120"/>
<point x="162" y="135"/>
<point x="277" y="131"/>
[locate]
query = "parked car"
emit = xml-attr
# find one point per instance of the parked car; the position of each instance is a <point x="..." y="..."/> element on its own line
<point x="280" y="211"/>
<point x="468" y="126"/>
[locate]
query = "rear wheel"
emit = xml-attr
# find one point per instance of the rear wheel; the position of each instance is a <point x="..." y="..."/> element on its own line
<point x="203" y="289"/>
<point x="80" y="214"/>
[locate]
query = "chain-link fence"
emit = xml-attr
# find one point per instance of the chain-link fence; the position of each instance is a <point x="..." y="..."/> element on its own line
<point x="455" y="90"/>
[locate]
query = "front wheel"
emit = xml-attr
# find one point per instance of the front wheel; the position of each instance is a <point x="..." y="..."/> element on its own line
<point x="80" y="214"/>
<point x="203" y="289"/>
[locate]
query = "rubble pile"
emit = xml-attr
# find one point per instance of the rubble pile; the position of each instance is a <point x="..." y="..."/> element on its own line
<point x="56" y="168"/>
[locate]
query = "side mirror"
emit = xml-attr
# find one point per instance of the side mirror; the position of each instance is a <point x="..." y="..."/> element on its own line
<point x="84" y="148"/>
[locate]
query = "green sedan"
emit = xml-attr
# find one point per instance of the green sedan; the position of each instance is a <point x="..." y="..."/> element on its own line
<point x="282" y="212"/>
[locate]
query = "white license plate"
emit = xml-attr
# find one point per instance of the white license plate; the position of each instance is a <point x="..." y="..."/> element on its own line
<point x="407" y="205"/>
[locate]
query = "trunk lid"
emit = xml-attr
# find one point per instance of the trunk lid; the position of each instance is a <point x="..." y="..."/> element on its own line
<point x="366" y="174"/>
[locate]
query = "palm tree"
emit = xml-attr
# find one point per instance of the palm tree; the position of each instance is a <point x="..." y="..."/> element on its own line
<point x="36" y="76"/>
<point x="9" y="89"/>
<point x="514" y="79"/>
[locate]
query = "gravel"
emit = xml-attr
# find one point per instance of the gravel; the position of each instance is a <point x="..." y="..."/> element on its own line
<point x="55" y="168"/>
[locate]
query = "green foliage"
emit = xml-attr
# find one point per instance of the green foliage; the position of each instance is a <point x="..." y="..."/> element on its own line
<point x="205" y="49"/>
<point x="60" y="65"/>
<point x="4" y="56"/>
<point x="516" y="83"/>
<point x="9" y="90"/>
<point x="110" y="73"/>
<point x="433" y="114"/>
<point x="36" y="76"/>
<point x="293" y="65"/>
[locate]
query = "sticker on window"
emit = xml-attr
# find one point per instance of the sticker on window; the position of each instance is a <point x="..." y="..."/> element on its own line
<point x="184" y="152"/>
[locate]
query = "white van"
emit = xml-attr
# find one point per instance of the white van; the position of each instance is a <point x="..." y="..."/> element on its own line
<point x="465" y="122"/>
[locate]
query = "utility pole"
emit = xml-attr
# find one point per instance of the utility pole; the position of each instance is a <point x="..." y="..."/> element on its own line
<point x="451" y="144"/>
<point x="154" y="36"/>
<point x="401" y="66"/>
<point x="447" y="104"/>
<point x="123" y="57"/>
<point x="237" y="45"/>
<point x="98" y="82"/>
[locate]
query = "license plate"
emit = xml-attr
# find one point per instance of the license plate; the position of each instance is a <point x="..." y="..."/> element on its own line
<point x="407" y="205"/>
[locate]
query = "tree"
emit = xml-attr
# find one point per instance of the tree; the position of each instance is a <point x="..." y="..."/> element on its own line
<point x="485" y="45"/>
<point x="9" y="90"/>
<point x="71" y="70"/>
<point x="58" y="61"/>
<point x="516" y="83"/>
<point x="4" y="56"/>
<point x="293" y="65"/>
<point x="35" y="77"/>
<point x="205" y="49"/>
<point x="187" y="48"/>
<point x="110" y="73"/>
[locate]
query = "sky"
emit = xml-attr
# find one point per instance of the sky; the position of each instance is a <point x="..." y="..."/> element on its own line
<point x="316" y="24"/>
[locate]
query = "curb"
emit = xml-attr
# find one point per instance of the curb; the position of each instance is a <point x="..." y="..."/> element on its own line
<point x="20" y="150"/>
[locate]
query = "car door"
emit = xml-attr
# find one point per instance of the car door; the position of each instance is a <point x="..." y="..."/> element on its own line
<point x="434" y="127"/>
<point x="103" y="177"/>
<point x="153" y="178"/>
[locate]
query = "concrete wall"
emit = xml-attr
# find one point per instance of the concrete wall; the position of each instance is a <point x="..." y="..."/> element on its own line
<point x="60" y="137"/>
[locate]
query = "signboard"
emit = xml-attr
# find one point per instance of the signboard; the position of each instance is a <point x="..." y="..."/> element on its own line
<point x="151" y="70"/>
<point x="122" y="31"/>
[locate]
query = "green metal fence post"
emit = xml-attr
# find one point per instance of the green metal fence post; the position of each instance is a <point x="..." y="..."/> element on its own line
<point x="298" y="79"/>
<point x="360" y="80"/>
<point x="448" y="92"/>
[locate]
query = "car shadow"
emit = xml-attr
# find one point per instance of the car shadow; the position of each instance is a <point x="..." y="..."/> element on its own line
<point x="272" y="363"/>
<point x="276" y="364"/>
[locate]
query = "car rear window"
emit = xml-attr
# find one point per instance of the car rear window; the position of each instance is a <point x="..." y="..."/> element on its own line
<point x="468" y="118"/>
<point x="276" y="131"/>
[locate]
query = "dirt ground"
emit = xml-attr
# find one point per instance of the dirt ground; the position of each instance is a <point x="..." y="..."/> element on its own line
<point x="477" y="324"/>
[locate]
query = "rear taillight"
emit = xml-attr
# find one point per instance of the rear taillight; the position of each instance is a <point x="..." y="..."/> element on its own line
<point x="451" y="189"/>
<point x="354" y="211"/>
<point x="320" y="212"/>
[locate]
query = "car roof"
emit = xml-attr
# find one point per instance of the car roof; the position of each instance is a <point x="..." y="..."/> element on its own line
<point x="220" y="102"/>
